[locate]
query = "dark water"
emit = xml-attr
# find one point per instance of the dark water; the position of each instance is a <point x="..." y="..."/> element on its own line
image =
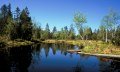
<point x="53" y="58"/>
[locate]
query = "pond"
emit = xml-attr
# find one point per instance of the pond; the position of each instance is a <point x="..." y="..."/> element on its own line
<point x="53" y="58"/>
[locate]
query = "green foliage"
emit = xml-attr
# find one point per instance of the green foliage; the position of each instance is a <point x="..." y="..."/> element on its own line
<point x="38" y="32"/>
<point x="79" y="20"/>
<point x="101" y="33"/>
<point x="116" y="39"/>
<point x="3" y="18"/>
<point x="71" y="34"/>
<point x="46" y="34"/>
<point x="109" y="22"/>
<point x="94" y="35"/>
<point x="18" y="27"/>
<point x="87" y="33"/>
<point x="54" y="32"/>
<point x="26" y="25"/>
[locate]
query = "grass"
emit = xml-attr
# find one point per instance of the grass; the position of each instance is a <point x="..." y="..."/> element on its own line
<point x="91" y="46"/>
<point x="18" y="44"/>
<point x="13" y="43"/>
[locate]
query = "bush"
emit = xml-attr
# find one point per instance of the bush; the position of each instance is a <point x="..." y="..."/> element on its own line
<point x="116" y="41"/>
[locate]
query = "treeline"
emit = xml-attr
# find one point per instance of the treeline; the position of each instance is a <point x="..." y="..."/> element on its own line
<point x="19" y="25"/>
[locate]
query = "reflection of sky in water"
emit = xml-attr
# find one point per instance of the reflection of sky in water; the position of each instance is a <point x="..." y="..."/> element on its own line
<point x="61" y="63"/>
<point x="76" y="48"/>
<point x="47" y="58"/>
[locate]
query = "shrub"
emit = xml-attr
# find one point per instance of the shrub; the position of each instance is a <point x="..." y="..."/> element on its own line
<point x="116" y="41"/>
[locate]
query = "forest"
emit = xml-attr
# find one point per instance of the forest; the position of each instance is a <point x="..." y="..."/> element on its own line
<point x="18" y="24"/>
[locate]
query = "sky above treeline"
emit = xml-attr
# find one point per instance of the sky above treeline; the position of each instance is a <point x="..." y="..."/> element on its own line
<point x="60" y="13"/>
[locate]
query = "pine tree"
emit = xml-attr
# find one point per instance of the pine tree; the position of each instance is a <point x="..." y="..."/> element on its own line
<point x="26" y="24"/>
<point x="71" y="32"/>
<point x="54" y="32"/>
<point x="3" y="19"/>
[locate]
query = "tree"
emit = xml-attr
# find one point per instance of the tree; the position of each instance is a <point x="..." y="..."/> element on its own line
<point x="9" y="11"/>
<point x="46" y="34"/>
<point x="109" y="21"/>
<point x="79" y="20"/>
<point x="6" y="20"/>
<point x="3" y="19"/>
<point x="17" y="18"/>
<point x="10" y="22"/>
<point x="94" y="35"/>
<point x="116" y="39"/>
<point x="71" y="32"/>
<point x="36" y="31"/>
<point x="65" y="32"/>
<point x="62" y="34"/>
<point x="4" y="11"/>
<point x="114" y="19"/>
<point x="26" y="25"/>
<point x="54" y="32"/>
<point x="18" y="24"/>
<point x="47" y="28"/>
<point x="101" y="33"/>
<point x="87" y="33"/>
<point x="18" y="27"/>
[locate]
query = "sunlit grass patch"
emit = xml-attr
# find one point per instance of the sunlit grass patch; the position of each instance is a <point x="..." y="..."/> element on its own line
<point x="91" y="46"/>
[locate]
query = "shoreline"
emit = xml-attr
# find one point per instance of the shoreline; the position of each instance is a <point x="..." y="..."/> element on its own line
<point x="17" y="43"/>
<point x="95" y="48"/>
<point x="101" y="55"/>
<point x="90" y="46"/>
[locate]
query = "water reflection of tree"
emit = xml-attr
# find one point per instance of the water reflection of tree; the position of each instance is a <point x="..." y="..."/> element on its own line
<point x="55" y="47"/>
<point x="4" y="62"/>
<point x="36" y="54"/>
<point x="46" y="48"/>
<point x="18" y="59"/>
<point x="109" y="65"/>
<point x="21" y="58"/>
<point x="65" y="47"/>
<point x="83" y="56"/>
<point x="36" y="47"/>
<point x="115" y="64"/>
<point x="78" y="67"/>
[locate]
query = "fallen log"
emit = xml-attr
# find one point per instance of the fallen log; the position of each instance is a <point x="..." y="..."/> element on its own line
<point x="102" y="55"/>
<point x="72" y="51"/>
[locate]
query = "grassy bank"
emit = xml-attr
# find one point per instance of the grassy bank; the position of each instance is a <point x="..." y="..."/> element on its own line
<point x="15" y="43"/>
<point x="90" y="46"/>
<point x="4" y="42"/>
<point x="18" y="43"/>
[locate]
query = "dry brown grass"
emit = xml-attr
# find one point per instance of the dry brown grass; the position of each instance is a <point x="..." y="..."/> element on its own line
<point x="91" y="46"/>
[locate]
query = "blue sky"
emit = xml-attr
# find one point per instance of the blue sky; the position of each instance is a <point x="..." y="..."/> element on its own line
<point x="60" y="13"/>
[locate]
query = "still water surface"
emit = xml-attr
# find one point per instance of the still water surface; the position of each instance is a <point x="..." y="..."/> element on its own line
<point x="53" y="58"/>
